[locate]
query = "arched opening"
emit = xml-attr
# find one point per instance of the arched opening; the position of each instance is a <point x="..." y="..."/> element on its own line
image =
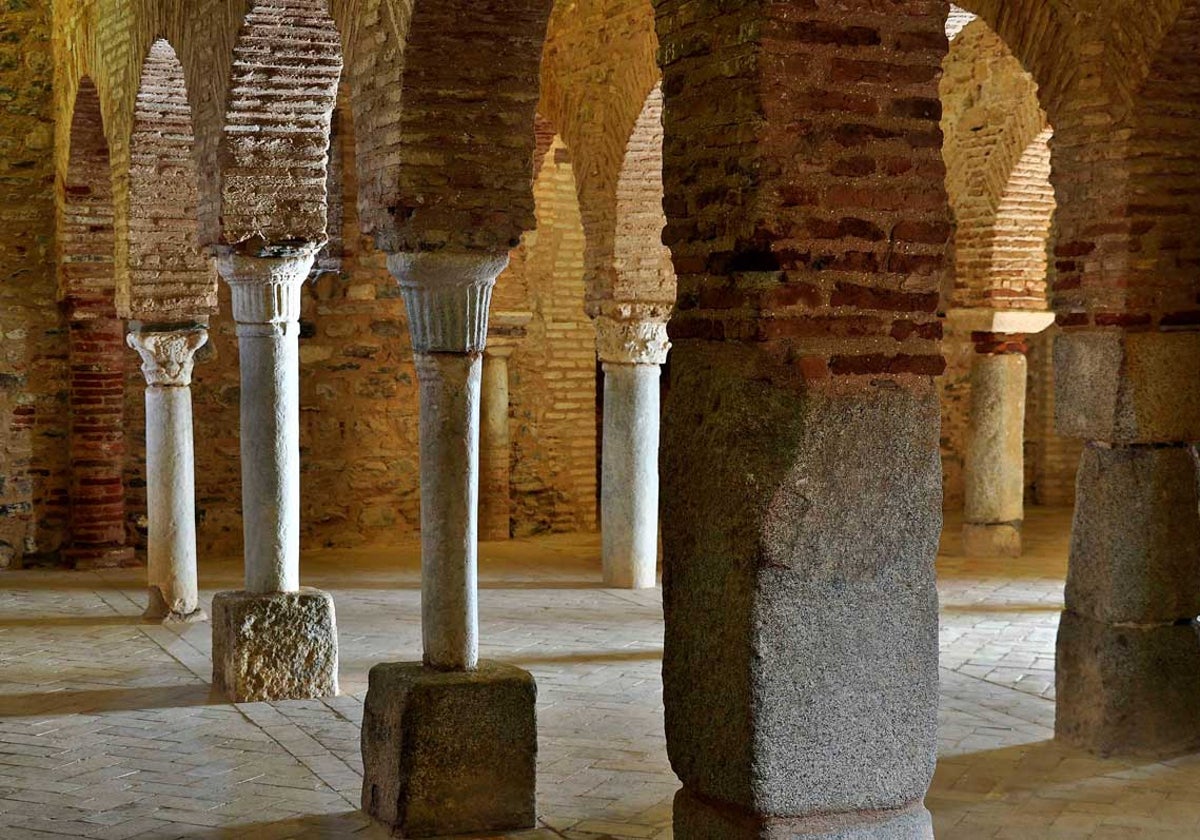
<point x="997" y="446"/>
<point x="552" y="367"/>
<point x="97" y="355"/>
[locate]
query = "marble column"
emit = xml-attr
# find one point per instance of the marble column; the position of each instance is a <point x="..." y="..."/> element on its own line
<point x="1128" y="651"/>
<point x="274" y="640"/>
<point x="632" y="353"/>
<point x="451" y="722"/>
<point x="495" y="500"/>
<point x="168" y="355"/>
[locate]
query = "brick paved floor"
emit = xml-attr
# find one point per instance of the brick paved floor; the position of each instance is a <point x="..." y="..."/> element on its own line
<point x="108" y="729"/>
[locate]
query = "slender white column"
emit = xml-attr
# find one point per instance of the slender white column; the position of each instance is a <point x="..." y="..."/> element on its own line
<point x="632" y="353"/>
<point x="168" y="356"/>
<point x="266" y="306"/>
<point x="495" y="503"/>
<point x="447" y="297"/>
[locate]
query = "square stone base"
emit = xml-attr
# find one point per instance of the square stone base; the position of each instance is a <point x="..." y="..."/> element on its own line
<point x="449" y="752"/>
<point x="277" y="646"/>
<point x="1127" y="689"/>
<point x="697" y="819"/>
<point x="1002" y="540"/>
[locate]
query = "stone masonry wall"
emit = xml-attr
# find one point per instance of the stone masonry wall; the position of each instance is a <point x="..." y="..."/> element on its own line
<point x="33" y="336"/>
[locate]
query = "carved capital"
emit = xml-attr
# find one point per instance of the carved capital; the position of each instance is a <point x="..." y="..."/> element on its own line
<point x="631" y="342"/>
<point x="447" y="295"/>
<point x="168" y="356"/>
<point x="266" y="290"/>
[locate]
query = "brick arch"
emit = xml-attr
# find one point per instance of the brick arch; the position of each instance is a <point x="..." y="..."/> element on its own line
<point x="445" y="130"/>
<point x="991" y="115"/>
<point x="1042" y="36"/>
<point x="96" y="341"/>
<point x="642" y="264"/>
<point x="598" y="69"/>
<point x="275" y="142"/>
<point x="1020" y="259"/>
<point x="169" y="277"/>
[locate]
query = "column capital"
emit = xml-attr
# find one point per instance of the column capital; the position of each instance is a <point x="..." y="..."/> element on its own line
<point x="266" y="289"/>
<point x="447" y="295"/>
<point x="168" y="355"/>
<point x="631" y="342"/>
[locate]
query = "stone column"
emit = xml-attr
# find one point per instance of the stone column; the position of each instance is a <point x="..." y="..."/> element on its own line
<point x="994" y="472"/>
<point x="168" y="355"/>
<point x="1128" y="666"/>
<point x="451" y="723"/>
<point x="495" y="501"/>
<point x="274" y="640"/>
<point x="632" y="354"/>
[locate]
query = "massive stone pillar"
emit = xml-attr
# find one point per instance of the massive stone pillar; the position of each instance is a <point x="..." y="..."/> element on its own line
<point x="449" y="744"/>
<point x="802" y="488"/>
<point x="495" y="501"/>
<point x="274" y="640"/>
<point x="632" y="354"/>
<point x="994" y="474"/>
<point x="1128" y="668"/>
<point x="168" y="354"/>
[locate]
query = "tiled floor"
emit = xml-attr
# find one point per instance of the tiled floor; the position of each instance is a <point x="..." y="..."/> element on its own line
<point x="108" y="729"/>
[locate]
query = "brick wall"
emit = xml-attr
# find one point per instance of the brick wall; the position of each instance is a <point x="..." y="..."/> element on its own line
<point x="553" y="371"/>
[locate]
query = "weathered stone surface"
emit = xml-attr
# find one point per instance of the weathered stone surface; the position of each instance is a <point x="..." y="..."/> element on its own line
<point x="991" y="540"/>
<point x="1135" y="541"/>
<point x="695" y="819"/>
<point x="995" y="467"/>
<point x="449" y="752"/>
<point x="1128" y="387"/>
<point x="813" y="688"/>
<point x="1128" y="689"/>
<point x="277" y="646"/>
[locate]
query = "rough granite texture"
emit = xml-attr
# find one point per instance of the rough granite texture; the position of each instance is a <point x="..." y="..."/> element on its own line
<point x="814" y="687"/>
<point x="1128" y="387"/>
<point x="695" y="819"/>
<point x="449" y="752"/>
<point x="1135" y="540"/>
<point x="1128" y="689"/>
<point x="280" y="646"/>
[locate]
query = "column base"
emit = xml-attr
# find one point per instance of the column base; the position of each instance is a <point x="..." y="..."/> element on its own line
<point x="631" y="573"/>
<point x="101" y="557"/>
<point x="1128" y="689"/>
<point x="987" y="540"/>
<point x="274" y="646"/>
<point x="449" y="752"/>
<point x="698" y="819"/>
<point x="158" y="612"/>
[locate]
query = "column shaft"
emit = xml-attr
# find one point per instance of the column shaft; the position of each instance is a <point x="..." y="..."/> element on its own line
<point x="495" y="501"/>
<point x="450" y="384"/>
<point x="170" y="471"/>
<point x="995" y="467"/>
<point x="629" y="484"/>
<point x="270" y="417"/>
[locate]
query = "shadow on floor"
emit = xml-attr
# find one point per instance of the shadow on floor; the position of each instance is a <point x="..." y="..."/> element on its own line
<point x="48" y="621"/>
<point x="583" y="657"/>
<point x="68" y="701"/>
<point x="983" y="608"/>
<point x="351" y="825"/>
